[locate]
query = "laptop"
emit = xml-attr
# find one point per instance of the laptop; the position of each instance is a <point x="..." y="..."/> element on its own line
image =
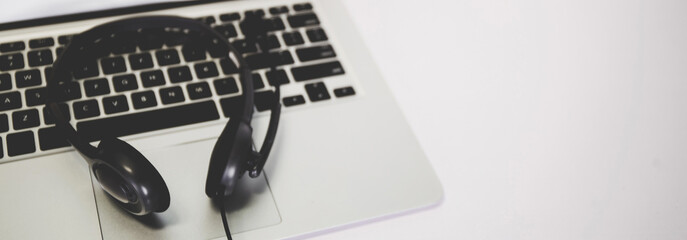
<point x="344" y="152"/>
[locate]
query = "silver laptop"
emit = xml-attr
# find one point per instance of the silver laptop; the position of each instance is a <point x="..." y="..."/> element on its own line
<point x="344" y="152"/>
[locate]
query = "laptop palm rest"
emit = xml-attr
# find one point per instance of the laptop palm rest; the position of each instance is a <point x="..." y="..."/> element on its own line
<point x="191" y="215"/>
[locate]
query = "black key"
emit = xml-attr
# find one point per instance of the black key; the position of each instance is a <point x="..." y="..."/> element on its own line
<point x="228" y="66"/>
<point x="293" y="100"/>
<point x="206" y="70"/>
<point x="10" y="100"/>
<point x="13" y="46"/>
<point x="317" y="91"/>
<point x="4" y="123"/>
<point x="242" y="46"/>
<point x="40" y="57"/>
<point x="5" y="81"/>
<point x="96" y="87"/>
<point x="207" y="20"/>
<point x="225" y="86"/>
<point x="179" y="74"/>
<point x="231" y="106"/>
<point x="302" y="20"/>
<point x="275" y="24"/>
<point x="20" y="143"/>
<point x="48" y="117"/>
<point x="198" y="90"/>
<point x="124" y="82"/>
<point x="229" y="17"/>
<point x="228" y="30"/>
<point x="140" y="61"/>
<point x="143" y="99"/>
<point x="152" y="78"/>
<point x="285" y="58"/>
<point x="59" y="51"/>
<point x="317" y="71"/>
<point x="35" y="96"/>
<point x="113" y="65"/>
<point x="47" y="72"/>
<point x="217" y="49"/>
<point x="42" y="42"/>
<point x="167" y="57"/>
<point x="86" y="109"/>
<point x="51" y="138"/>
<point x="2" y="153"/>
<point x="149" y="120"/>
<point x="279" y="10"/>
<point x="265" y="100"/>
<point x="343" y="92"/>
<point x="293" y="38"/>
<point x="278" y="76"/>
<point x="28" y="78"/>
<point x="11" y="62"/>
<point x="193" y="53"/>
<point x="316" y="35"/>
<point x="25" y="119"/>
<point x="86" y="70"/>
<point x="256" y="12"/>
<point x="263" y="60"/>
<point x="302" y="7"/>
<point x="171" y="95"/>
<point x="315" y="53"/>
<point x="71" y="91"/>
<point x="273" y="42"/>
<point x="64" y="39"/>
<point x="257" y="81"/>
<point x="115" y="104"/>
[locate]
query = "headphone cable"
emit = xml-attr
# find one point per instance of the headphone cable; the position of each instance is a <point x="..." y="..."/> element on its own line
<point x="223" y="211"/>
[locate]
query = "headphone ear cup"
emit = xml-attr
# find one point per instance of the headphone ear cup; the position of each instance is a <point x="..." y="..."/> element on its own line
<point x="228" y="161"/>
<point x="126" y="175"/>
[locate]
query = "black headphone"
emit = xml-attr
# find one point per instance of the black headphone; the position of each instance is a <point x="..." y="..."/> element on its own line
<point x="121" y="170"/>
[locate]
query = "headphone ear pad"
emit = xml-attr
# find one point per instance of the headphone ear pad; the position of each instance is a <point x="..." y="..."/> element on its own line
<point x="229" y="158"/>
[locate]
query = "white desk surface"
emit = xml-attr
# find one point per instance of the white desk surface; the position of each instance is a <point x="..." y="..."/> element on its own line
<point x="543" y="119"/>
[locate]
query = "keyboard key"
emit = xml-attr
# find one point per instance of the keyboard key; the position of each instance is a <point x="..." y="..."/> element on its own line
<point x="193" y="53"/>
<point x="51" y="138"/>
<point x="28" y="78"/>
<point x="42" y="42"/>
<point x="278" y="76"/>
<point x="11" y="62"/>
<point x="86" y="70"/>
<point x="266" y="60"/>
<point x="113" y="65"/>
<point x="206" y="70"/>
<point x="48" y="117"/>
<point x="257" y="81"/>
<point x="143" y="99"/>
<point x="179" y="74"/>
<point x="12" y="46"/>
<point x="228" y="66"/>
<point x="303" y="20"/>
<point x="96" y="87"/>
<point x="279" y="10"/>
<point x="317" y="91"/>
<point x="293" y="100"/>
<point x="5" y="81"/>
<point x="10" y="100"/>
<point x="35" y="96"/>
<point x="20" y="143"/>
<point x="64" y="39"/>
<point x="228" y="30"/>
<point x="244" y="47"/>
<point x="316" y="35"/>
<point x="315" y="53"/>
<point x="86" y="109"/>
<point x="229" y="17"/>
<point x="71" y="91"/>
<point x="198" y="90"/>
<point x="167" y="57"/>
<point x="231" y="106"/>
<point x="302" y="7"/>
<point x="343" y="92"/>
<point x="171" y="95"/>
<point x="209" y="20"/>
<point x="152" y="78"/>
<point x="124" y="82"/>
<point x="256" y="12"/>
<point x="265" y="100"/>
<point x="40" y="58"/>
<point x="317" y="71"/>
<point x="115" y="104"/>
<point x="275" y="24"/>
<point x="217" y="49"/>
<point x="225" y="86"/>
<point x="273" y="42"/>
<point x="4" y="123"/>
<point x="140" y="61"/>
<point x="150" y="120"/>
<point x="293" y="38"/>
<point x="25" y="119"/>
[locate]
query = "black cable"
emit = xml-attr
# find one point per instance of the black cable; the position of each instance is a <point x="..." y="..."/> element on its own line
<point x="224" y="218"/>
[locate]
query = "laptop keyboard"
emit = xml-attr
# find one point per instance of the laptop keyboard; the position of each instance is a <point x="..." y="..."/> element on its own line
<point x="156" y="85"/>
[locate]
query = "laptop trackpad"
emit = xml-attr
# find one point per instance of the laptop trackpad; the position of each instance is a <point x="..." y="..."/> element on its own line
<point x="191" y="214"/>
